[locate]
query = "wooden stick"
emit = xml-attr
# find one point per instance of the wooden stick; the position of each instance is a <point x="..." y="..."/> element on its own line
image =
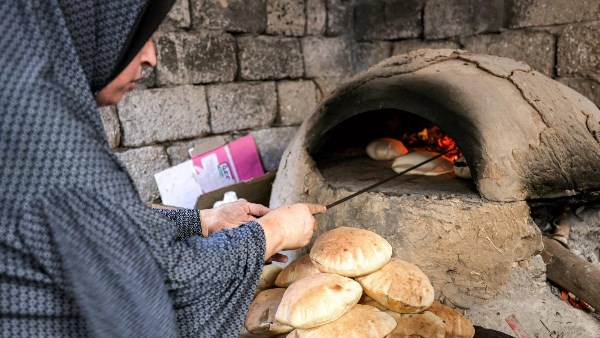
<point x="572" y="272"/>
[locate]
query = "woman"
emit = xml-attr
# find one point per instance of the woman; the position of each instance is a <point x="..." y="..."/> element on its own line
<point x="80" y="254"/>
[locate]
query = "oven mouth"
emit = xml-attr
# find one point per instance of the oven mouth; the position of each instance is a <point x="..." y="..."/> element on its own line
<point x="343" y="162"/>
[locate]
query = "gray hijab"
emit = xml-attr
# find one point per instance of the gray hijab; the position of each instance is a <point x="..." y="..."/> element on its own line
<point x="79" y="253"/>
<point x="55" y="164"/>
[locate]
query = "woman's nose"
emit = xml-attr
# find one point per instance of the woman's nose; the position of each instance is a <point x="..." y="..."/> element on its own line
<point x="148" y="54"/>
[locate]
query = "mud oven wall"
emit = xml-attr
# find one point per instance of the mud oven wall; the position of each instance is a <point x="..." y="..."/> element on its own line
<point x="523" y="135"/>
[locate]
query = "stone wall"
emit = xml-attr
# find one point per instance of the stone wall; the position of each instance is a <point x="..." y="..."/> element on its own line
<point x="227" y="68"/>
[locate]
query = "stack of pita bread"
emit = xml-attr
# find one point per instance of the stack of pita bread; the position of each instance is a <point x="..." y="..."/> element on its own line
<point x="350" y="286"/>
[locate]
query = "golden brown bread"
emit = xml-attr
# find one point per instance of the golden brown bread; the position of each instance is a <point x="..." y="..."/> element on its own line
<point x="439" y="166"/>
<point x="317" y="299"/>
<point x="362" y="321"/>
<point x="366" y="300"/>
<point x="261" y="315"/>
<point x="457" y="325"/>
<point x="385" y="149"/>
<point x="268" y="276"/>
<point x="417" y="325"/>
<point x="350" y="252"/>
<point x="399" y="286"/>
<point x="299" y="268"/>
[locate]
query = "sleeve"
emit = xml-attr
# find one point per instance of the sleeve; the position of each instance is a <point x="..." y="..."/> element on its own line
<point x="186" y="220"/>
<point x="110" y="273"/>
<point x="211" y="280"/>
<point x="116" y="250"/>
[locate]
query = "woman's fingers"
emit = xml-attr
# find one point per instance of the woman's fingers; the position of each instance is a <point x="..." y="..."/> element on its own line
<point x="316" y="208"/>
<point x="257" y="210"/>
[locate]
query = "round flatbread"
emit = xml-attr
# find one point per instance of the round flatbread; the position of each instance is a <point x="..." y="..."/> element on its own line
<point x="298" y="269"/>
<point x="350" y="252"/>
<point x="457" y="325"/>
<point x="439" y="166"/>
<point x="316" y="300"/>
<point x="362" y="321"/>
<point x="385" y="149"/>
<point x="261" y="315"/>
<point x="366" y="300"/>
<point x="399" y="286"/>
<point x="417" y="325"/>
<point x="268" y="276"/>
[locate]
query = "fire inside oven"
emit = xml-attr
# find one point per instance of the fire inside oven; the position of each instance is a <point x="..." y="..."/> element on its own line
<point x="343" y="160"/>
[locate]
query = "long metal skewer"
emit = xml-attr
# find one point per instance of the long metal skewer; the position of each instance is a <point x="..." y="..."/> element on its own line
<point x="386" y="180"/>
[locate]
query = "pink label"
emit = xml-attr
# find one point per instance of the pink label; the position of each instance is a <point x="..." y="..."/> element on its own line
<point x="226" y="165"/>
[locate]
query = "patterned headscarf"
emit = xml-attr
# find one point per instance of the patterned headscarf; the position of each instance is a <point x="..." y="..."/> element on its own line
<point x="57" y="172"/>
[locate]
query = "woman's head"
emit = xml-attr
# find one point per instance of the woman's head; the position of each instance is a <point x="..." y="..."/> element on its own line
<point x="113" y="92"/>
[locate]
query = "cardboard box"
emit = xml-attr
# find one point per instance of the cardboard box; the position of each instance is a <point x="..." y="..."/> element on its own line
<point x="256" y="190"/>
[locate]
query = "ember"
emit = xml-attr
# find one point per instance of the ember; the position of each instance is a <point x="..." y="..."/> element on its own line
<point x="432" y="139"/>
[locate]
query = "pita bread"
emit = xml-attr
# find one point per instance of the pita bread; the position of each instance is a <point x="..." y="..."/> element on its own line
<point x="318" y="299"/>
<point x="366" y="300"/>
<point x="439" y="166"/>
<point x="399" y="286"/>
<point x="350" y="252"/>
<point x="418" y="325"/>
<point x="362" y="321"/>
<point x="457" y="325"/>
<point x="299" y="268"/>
<point x="268" y="276"/>
<point x="261" y="315"/>
<point x="385" y="149"/>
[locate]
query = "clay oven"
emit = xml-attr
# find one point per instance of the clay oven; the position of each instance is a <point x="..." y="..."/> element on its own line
<point x="523" y="135"/>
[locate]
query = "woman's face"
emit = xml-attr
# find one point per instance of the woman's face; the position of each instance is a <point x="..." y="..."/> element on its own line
<point x="125" y="81"/>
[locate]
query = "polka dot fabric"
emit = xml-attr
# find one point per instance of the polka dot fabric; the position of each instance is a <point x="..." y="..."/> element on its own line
<point x="80" y="254"/>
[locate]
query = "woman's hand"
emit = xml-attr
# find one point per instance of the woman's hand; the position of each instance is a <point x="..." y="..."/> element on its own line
<point x="289" y="226"/>
<point x="231" y="215"/>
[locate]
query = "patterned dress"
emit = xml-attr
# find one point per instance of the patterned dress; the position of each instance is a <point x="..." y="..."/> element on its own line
<point x="80" y="254"/>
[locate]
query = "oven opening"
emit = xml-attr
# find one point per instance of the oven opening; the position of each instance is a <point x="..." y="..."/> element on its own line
<point x="345" y="162"/>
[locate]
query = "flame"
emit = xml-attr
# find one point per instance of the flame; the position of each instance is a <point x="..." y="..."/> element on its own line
<point x="432" y="139"/>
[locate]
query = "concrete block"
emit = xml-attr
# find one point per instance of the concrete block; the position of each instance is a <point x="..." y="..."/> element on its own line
<point x="528" y="13"/>
<point x="325" y="57"/>
<point x="238" y="16"/>
<point x="586" y="87"/>
<point x="269" y="57"/>
<point x="316" y="17"/>
<point x="112" y="128"/>
<point x="166" y="114"/>
<point x="178" y="17"/>
<point x="297" y="100"/>
<point x="579" y="51"/>
<point x="340" y="17"/>
<point x="286" y="17"/>
<point x="179" y="151"/>
<point x="271" y="144"/>
<point x="237" y="106"/>
<point x="448" y="18"/>
<point x="407" y="46"/>
<point x="367" y="54"/>
<point x="191" y="58"/>
<point x="537" y="49"/>
<point x="388" y="20"/>
<point x="142" y="164"/>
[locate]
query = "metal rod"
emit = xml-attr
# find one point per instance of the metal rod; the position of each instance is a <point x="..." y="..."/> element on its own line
<point x="386" y="180"/>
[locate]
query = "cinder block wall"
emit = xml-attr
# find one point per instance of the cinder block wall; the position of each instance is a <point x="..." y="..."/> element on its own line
<point x="227" y="68"/>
